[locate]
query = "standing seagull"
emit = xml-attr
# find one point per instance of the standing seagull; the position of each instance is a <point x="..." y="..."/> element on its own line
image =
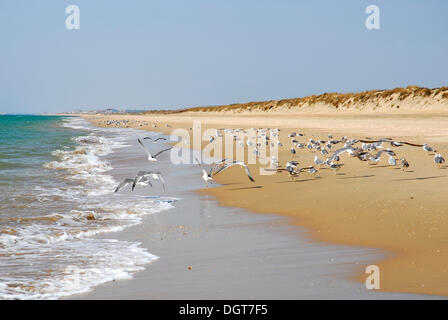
<point x="312" y="171"/>
<point x="150" y="157"/>
<point x="439" y="160"/>
<point x="293" y="151"/>
<point x="317" y="161"/>
<point x="427" y="148"/>
<point x="392" y="161"/>
<point x="335" y="166"/>
<point x="404" y="164"/>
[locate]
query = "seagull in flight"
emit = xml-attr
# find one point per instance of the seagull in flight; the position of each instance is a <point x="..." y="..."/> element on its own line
<point x="393" y="143"/>
<point x="150" y="157"/>
<point x="388" y="151"/>
<point x="208" y="175"/>
<point x="143" y="182"/>
<point x="142" y="178"/>
<point x="154" y="140"/>
<point x="292" y="172"/>
<point x="236" y="163"/>
<point x="123" y="184"/>
<point x="354" y="152"/>
<point x="375" y="159"/>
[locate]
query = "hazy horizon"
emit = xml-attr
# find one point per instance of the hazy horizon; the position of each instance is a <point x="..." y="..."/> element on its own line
<point x="169" y="55"/>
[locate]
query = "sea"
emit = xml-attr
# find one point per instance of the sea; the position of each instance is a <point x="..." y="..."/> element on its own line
<point x="56" y="196"/>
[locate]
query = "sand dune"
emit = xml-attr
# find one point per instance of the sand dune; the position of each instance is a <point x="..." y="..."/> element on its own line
<point x="393" y="101"/>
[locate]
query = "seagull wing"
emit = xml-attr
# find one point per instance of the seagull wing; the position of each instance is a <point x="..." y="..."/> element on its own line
<point x="374" y="141"/>
<point x="388" y="151"/>
<point x="163" y="181"/>
<point x="158" y="153"/>
<point x="340" y="151"/>
<point x="215" y="167"/>
<point x="139" y="177"/>
<point x="144" y="148"/>
<point x="411" y="144"/>
<point x="146" y="179"/>
<point x="236" y="163"/>
<point x="203" y="169"/>
<point x="136" y="180"/>
<point x="123" y="184"/>
<point x="379" y="153"/>
<point x="156" y="176"/>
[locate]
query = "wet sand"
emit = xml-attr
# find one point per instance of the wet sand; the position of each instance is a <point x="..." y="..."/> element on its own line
<point x="233" y="254"/>
<point x="403" y="213"/>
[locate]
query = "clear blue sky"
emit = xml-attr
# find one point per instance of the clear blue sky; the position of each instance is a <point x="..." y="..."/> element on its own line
<point x="168" y="54"/>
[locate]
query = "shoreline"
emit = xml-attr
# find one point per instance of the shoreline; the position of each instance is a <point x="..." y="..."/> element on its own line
<point x="419" y="256"/>
<point x="233" y="253"/>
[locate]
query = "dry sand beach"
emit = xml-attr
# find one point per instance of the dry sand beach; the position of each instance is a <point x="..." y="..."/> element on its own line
<point x="208" y="251"/>
<point x="373" y="206"/>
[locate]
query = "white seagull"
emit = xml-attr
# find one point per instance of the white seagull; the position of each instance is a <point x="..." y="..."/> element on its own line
<point x="150" y="157"/>
<point x="317" y="161"/>
<point x="236" y="163"/>
<point x="427" y="148"/>
<point x="142" y="182"/>
<point x="208" y="176"/>
<point x="404" y="164"/>
<point x="392" y="161"/>
<point x="439" y="160"/>
<point x="142" y="178"/>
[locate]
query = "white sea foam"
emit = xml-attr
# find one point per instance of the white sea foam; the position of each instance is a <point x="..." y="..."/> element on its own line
<point x="52" y="255"/>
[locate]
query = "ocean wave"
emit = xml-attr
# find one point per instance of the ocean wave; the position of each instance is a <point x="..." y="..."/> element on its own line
<point x="52" y="255"/>
<point x="86" y="264"/>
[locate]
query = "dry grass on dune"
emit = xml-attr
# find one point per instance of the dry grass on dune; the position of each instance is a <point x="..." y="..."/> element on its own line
<point x="376" y="98"/>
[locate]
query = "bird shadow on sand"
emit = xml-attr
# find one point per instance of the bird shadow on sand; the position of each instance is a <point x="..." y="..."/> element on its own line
<point x="303" y="180"/>
<point x="357" y="177"/>
<point x="245" y="188"/>
<point x="421" y="178"/>
<point x="373" y="166"/>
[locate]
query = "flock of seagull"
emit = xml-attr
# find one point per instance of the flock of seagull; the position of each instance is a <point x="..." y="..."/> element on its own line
<point x="143" y="178"/>
<point x="370" y="151"/>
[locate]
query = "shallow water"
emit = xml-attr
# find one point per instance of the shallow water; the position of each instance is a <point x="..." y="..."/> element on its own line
<point x="56" y="193"/>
